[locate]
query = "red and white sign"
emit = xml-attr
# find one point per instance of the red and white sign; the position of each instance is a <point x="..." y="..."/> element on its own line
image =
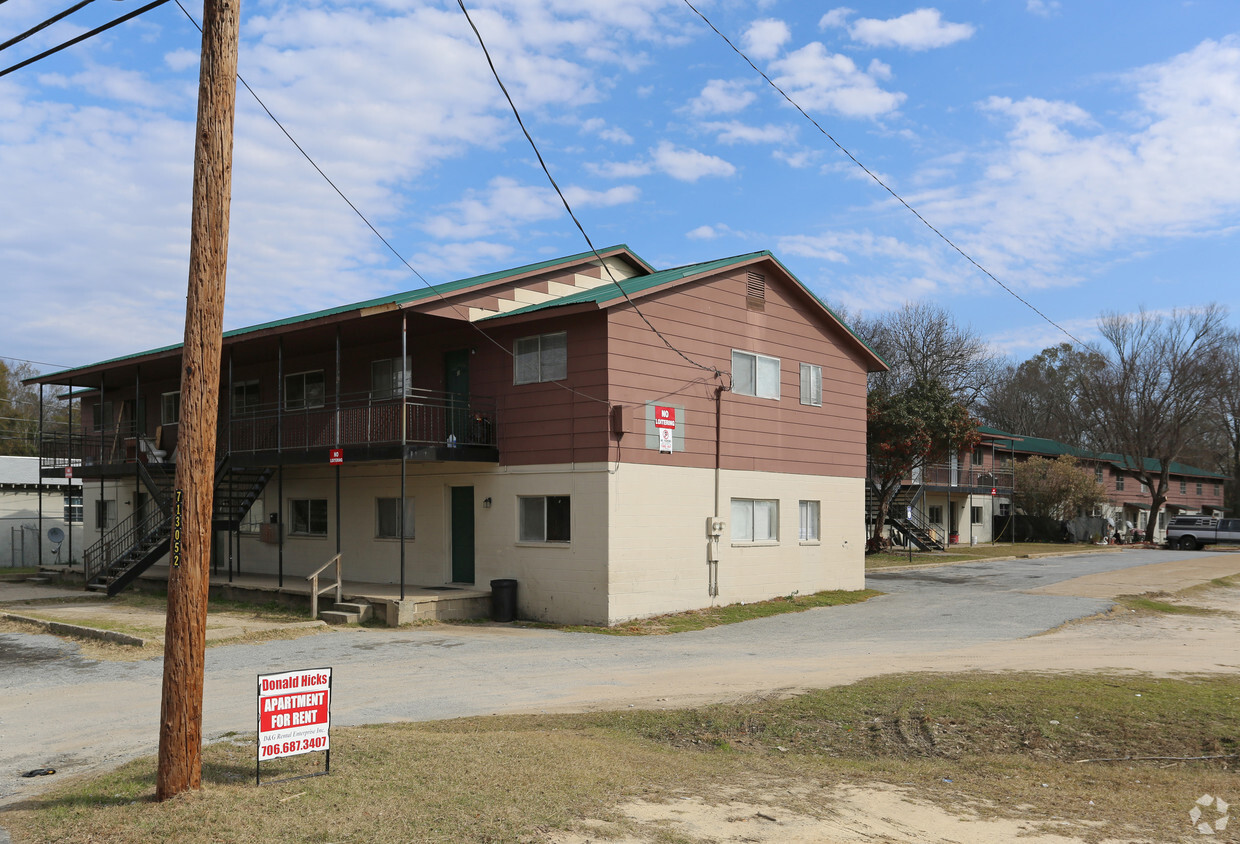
<point x="68" y="471"/>
<point x="336" y="456"/>
<point x="664" y="417"/>
<point x="294" y="712"/>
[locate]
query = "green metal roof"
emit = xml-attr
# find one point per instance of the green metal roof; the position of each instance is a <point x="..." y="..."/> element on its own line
<point x="403" y="298"/>
<point x="1054" y="448"/>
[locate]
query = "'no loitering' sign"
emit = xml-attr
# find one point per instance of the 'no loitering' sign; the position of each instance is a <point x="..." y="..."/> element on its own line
<point x="294" y="712"/>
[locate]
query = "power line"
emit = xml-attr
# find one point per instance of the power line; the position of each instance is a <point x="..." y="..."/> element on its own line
<point x="83" y="36"/>
<point x="564" y="200"/>
<point x="875" y="177"/>
<point x="374" y="230"/>
<point x="38" y="27"/>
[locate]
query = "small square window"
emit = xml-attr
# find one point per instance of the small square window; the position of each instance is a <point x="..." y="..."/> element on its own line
<point x="387" y="518"/>
<point x="755" y="520"/>
<point x="811" y="384"/>
<point x="545" y="518"/>
<point x="935" y="514"/>
<point x="304" y="390"/>
<point x="755" y="375"/>
<point x="245" y="398"/>
<point x="810" y="521"/>
<point x="543" y="357"/>
<point x="308" y="516"/>
<point x="387" y="375"/>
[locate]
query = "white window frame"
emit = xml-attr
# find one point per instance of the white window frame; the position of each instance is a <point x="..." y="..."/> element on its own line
<point x="253" y="519"/>
<point x="932" y="511"/>
<point x="810" y="529"/>
<point x="307" y="529"/>
<point x="170" y="408"/>
<point x="751" y="375"/>
<point x="975" y="514"/>
<point x="811" y="384"/>
<point x="304" y="403"/>
<point x="533" y="522"/>
<point x="748" y="527"/>
<point x="74" y="509"/>
<point x="394" y="504"/>
<point x="540" y="358"/>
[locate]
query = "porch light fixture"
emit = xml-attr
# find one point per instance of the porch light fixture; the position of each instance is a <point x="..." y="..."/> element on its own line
<point x="486" y="502"/>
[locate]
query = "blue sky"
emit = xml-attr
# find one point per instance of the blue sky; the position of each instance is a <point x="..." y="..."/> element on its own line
<point x="1086" y="153"/>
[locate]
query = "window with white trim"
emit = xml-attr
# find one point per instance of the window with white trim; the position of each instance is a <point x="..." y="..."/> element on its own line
<point x="73" y="508"/>
<point x="307" y="516"/>
<point x="544" y="518"/>
<point x="934" y="513"/>
<point x="170" y="408"/>
<point x="105" y="514"/>
<point x="811" y="384"/>
<point x="975" y="515"/>
<point x="1199" y="489"/>
<point x="811" y="512"/>
<point x="755" y="375"/>
<point x="543" y="357"/>
<point x="755" y="520"/>
<point x="1183" y="487"/>
<point x="254" y="518"/>
<point x="387" y="518"/>
<point x="304" y="390"/>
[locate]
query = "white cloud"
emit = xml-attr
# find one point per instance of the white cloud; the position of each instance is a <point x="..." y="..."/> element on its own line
<point x="689" y="165"/>
<point x="734" y="132"/>
<point x="764" y="38"/>
<point x="598" y="126"/>
<point x="1043" y="8"/>
<point x="835" y="18"/>
<point x="818" y="79"/>
<point x="720" y="96"/>
<point x="506" y="204"/>
<point x="703" y="233"/>
<point x="923" y="29"/>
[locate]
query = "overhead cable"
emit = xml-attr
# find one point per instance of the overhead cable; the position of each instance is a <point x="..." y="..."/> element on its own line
<point x="83" y="36"/>
<point x="875" y="177"/>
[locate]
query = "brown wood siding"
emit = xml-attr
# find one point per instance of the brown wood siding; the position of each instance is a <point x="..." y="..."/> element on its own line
<point x="708" y="320"/>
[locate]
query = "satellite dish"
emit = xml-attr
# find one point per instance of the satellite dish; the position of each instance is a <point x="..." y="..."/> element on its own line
<point x="56" y="534"/>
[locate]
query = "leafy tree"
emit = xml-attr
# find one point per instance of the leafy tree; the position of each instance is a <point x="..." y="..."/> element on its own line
<point x="1153" y="396"/>
<point x="19" y="412"/>
<point x="908" y="427"/>
<point x="1056" y="489"/>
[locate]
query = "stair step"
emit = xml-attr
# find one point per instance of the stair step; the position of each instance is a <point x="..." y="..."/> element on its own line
<point x="361" y="610"/>
<point x="333" y="617"/>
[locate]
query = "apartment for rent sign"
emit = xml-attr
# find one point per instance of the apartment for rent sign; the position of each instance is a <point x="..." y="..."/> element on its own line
<point x="294" y="712"/>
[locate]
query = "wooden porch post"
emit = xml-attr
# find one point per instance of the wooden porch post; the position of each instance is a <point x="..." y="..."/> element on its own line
<point x="180" y="733"/>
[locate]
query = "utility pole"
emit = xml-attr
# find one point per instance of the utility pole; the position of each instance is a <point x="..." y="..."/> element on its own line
<point x="180" y="718"/>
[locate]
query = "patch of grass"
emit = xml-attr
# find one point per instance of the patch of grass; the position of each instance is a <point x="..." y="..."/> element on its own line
<point x="974" y="553"/>
<point x="18" y="572"/>
<point x="1150" y="603"/>
<point x="1010" y="742"/>
<point x="683" y="622"/>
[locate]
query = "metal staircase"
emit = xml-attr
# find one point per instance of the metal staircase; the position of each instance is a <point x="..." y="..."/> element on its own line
<point x="134" y="544"/>
<point x="904" y="516"/>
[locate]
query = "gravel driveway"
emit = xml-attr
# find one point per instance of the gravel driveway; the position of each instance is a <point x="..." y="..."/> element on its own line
<point x="76" y="715"/>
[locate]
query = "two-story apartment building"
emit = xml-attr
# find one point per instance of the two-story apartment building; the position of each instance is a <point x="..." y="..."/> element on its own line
<point x="582" y="426"/>
<point x="1192" y="490"/>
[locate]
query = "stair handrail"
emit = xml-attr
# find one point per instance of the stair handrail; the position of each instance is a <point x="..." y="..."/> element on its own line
<point x="120" y="539"/>
<point x="157" y="481"/>
<point x="315" y="591"/>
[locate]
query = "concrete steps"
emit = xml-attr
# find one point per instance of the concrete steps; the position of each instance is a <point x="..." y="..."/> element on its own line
<point x="347" y="613"/>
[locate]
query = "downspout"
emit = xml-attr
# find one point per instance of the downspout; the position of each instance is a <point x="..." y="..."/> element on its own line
<point x="280" y="460"/>
<point x="404" y="434"/>
<point x="39" y="465"/>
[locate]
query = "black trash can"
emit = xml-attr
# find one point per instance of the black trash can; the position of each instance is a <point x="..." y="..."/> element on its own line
<point x="504" y="599"/>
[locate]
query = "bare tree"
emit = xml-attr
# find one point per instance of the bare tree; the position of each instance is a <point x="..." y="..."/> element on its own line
<point x="922" y="343"/>
<point x="1227" y="416"/>
<point x="1039" y="396"/>
<point x="1153" y="396"/>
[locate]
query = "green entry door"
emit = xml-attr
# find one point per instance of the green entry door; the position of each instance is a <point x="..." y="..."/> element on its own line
<point x="462" y="534"/>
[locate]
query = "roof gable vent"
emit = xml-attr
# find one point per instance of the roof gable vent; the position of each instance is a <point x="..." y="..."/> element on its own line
<point x="755" y="291"/>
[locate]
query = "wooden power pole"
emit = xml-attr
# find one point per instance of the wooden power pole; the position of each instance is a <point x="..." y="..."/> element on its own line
<point x="180" y="718"/>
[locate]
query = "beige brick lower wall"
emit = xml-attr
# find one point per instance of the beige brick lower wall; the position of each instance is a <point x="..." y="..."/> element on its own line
<point x="644" y="556"/>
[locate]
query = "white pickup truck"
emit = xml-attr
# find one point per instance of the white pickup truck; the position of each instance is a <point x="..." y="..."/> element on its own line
<point x="1190" y="533"/>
